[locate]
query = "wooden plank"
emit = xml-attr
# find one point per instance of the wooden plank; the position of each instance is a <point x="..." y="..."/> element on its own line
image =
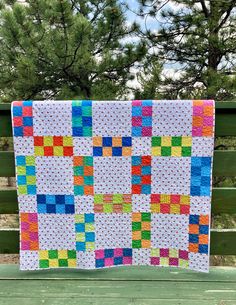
<point x="81" y="290"/>
<point x="223" y="201"/>
<point x="222" y="241"/>
<point x="224" y="163"/>
<point x="225" y="119"/>
<point x="127" y="273"/>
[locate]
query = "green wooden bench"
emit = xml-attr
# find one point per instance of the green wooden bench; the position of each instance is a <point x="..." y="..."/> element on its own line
<point x="125" y="285"/>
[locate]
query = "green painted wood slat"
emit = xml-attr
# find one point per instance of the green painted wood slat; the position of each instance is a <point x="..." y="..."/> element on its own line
<point x="225" y="119"/>
<point x="223" y="201"/>
<point x="224" y="163"/>
<point x="222" y="241"/>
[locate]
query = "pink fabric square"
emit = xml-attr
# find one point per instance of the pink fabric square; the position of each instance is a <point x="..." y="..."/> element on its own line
<point x="17" y="103"/>
<point x="118" y="252"/>
<point x="183" y="254"/>
<point x="155" y="261"/>
<point x="208" y="103"/>
<point x="175" y="198"/>
<point x="208" y="121"/>
<point x="198" y="110"/>
<point x="28" y="131"/>
<point x="164" y="252"/>
<point x="197" y="131"/>
<point x="136" y="103"/>
<point x="99" y="254"/>
<point x="173" y="261"/>
<point x="127" y="260"/>
<point x="18" y="121"/>
<point x="25" y="245"/>
<point x="165" y="208"/>
<point x="24" y="226"/>
<point x="33" y="236"/>
<point x="109" y="261"/>
<point x="27" y="111"/>
<point x="184" y="209"/>
<point x="146" y="131"/>
<point x="137" y="121"/>
<point x="33" y="217"/>
<point x="147" y="111"/>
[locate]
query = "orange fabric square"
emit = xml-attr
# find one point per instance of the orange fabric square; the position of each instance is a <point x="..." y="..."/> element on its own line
<point x="136" y="217"/>
<point x="126" y="151"/>
<point x="203" y="239"/>
<point x="136" y="170"/>
<point x="136" y="235"/>
<point x="88" y="170"/>
<point x="117" y="142"/>
<point x="197" y="121"/>
<point x="207" y="131"/>
<point x="146" y="243"/>
<point x="204" y="220"/>
<point x="136" y="189"/>
<point x="193" y="248"/>
<point x="193" y="229"/>
<point x="146" y="179"/>
<point x="97" y="141"/>
<point x="88" y="190"/>
<point x="34" y="245"/>
<point x="78" y="161"/>
<point x="78" y="180"/>
<point x="107" y="151"/>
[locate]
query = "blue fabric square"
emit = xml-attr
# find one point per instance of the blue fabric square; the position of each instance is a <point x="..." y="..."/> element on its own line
<point x="136" y="179"/>
<point x="195" y="171"/>
<point x="41" y="208"/>
<point x="97" y="151"/>
<point x="205" y="181"/>
<point x="21" y="180"/>
<point x="196" y="161"/>
<point x="146" y="189"/>
<point x="193" y="238"/>
<point x="51" y="208"/>
<point x="17" y="111"/>
<point x="147" y="121"/>
<point x="20" y="161"/>
<point x="126" y="141"/>
<point x="87" y="121"/>
<point x="86" y="103"/>
<point x="89" y="236"/>
<point x="147" y="103"/>
<point x="116" y="151"/>
<point x="136" y="131"/>
<point x="194" y="219"/>
<point x="136" y="111"/>
<point x="195" y="191"/>
<point x="203" y="229"/>
<point x="89" y="217"/>
<point x="77" y="131"/>
<point x="50" y="199"/>
<point x="80" y="246"/>
<point x="27" y="103"/>
<point x="18" y="131"/>
<point x="69" y="199"/>
<point x="76" y="111"/>
<point x="100" y="263"/>
<point x="60" y="209"/>
<point x="118" y="260"/>
<point x="146" y="170"/>
<point x="31" y="189"/>
<point x="30" y="170"/>
<point x="127" y="252"/>
<point x="60" y="199"/>
<point x="107" y="141"/>
<point x="136" y="160"/>
<point x="205" y="191"/>
<point x="108" y="253"/>
<point x="196" y="181"/>
<point x="206" y="161"/>
<point x="79" y="227"/>
<point x="41" y="199"/>
<point x="69" y="209"/>
<point x="27" y="121"/>
<point x="203" y="249"/>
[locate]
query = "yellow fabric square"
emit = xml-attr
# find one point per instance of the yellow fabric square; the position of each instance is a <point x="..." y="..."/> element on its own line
<point x="30" y="180"/>
<point x="71" y="263"/>
<point x="97" y="141"/>
<point x="89" y="227"/>
<point x="164" y="261"/>
<point x="165" y="141"/>
<point x="53" y="263"/>
<point x="67" y="141"/>
<point x="176" y="151"/>
<point x="117" y="142"/>
<point x="21" y="170"/>
<point x="79" y="218"/>
<point x="156" y="151"/>
<point x="43" y="254"/>
<point x="62" y="254"/>
<point x="155" y="208"/>
<point x="155" y="252"/>
<point x="80" y="237"/>
<point x="126" y="151"/>
<point x="48" y="141"/>
<point x="174" y="209"/>
<point x="90" y="245"/>
<point x="38" y="150"/>
<point x="58" y="151"/>
<point x="173" y="253"/>
<point x="185" y="199"/>
<point x="186" y="141"/>
<point x="164" y="198"/>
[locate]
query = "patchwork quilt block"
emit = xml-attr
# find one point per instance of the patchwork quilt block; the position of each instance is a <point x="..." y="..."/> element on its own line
<point x="114" y="183"/>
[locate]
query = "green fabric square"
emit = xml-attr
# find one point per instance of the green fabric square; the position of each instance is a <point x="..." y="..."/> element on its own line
<point x="156" y="141"/>
<point x="186" y="151"/>
<point x="127" y="208"/>
<point x="62" y="262"/>
<point x="146" y="216"/>
<point x="176" y="141"/>
<point x="71" y="253"/>
<point x="77" y="121"/>
<point x="87" y="111"/>
<point x="22" y="189"/>
<point x="78" y="170"/>
<point x="44" y="263"/>
<point x="76" y="103"/>
<point x="136" y="226"/>
<point x="79" y="190"/>
<point x="88" y="161"/>
<point x="98" y="198"/>
<point x="88" y="180"/>
<point x="87" y="131"/>
<point x="52" y="254"/>
<point x="117" y="198"/>
<point x="107" y="208"/>
<point x="166" y="151"/>
<point x="31" y="180"/>
<point x="136" y="244"/>
<point x="29" y="160"/>
<point x="146" y="235"/>
<point x="21" y="170"/>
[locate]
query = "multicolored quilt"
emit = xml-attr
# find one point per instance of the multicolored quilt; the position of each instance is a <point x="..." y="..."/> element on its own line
<point x="113" y="183"/>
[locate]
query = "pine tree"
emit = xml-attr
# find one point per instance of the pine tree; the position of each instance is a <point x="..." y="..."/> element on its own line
<point x="200" y="36"/>
<point x="65" y="49"/>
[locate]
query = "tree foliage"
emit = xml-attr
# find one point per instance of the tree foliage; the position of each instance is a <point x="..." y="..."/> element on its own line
<point x="65" y="49"/>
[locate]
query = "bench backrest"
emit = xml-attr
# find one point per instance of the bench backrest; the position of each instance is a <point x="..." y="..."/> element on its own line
<point x="223" y="199"/>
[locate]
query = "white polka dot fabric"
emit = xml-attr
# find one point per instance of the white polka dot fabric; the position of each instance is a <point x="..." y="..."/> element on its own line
<point x="114" y="183"/>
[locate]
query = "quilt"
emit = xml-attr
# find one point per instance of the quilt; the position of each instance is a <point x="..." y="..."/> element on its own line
<point x="113" y="183"/>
